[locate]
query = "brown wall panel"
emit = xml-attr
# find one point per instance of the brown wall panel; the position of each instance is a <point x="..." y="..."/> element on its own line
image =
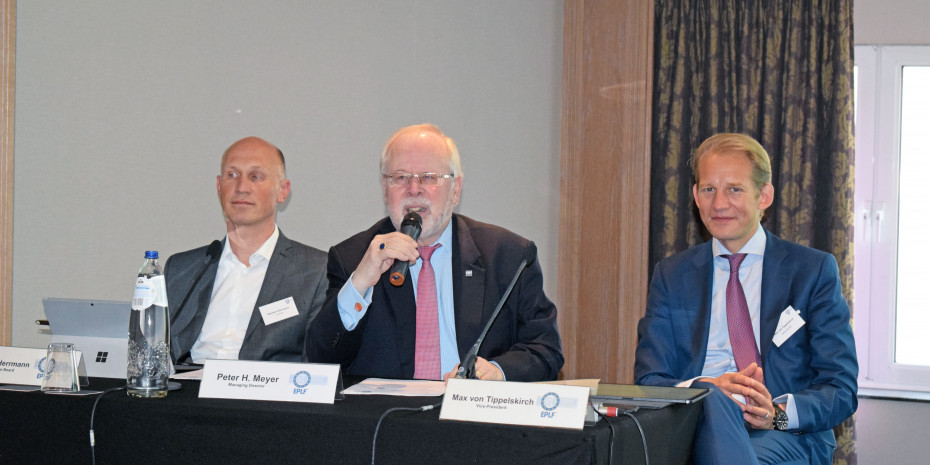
<point x="7" y="76"/>
<point x="603" y="238"/>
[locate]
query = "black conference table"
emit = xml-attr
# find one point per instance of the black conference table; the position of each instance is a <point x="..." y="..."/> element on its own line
<point x="38" y="428"/>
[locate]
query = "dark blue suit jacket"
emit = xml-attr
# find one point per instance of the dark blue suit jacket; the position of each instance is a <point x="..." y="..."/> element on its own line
<point x="817" y="363"/>
<point x="294" y="270"/>
<point x="524" y="340"/>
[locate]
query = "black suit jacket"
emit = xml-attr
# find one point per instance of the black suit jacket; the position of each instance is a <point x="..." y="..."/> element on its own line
<point x="295" y="270"/>
<point x="524" y="340"/>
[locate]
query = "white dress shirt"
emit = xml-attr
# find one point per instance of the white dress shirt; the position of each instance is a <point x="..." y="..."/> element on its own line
<point x="235" y="291"/>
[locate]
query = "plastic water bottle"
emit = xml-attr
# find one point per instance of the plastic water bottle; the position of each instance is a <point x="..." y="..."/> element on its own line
<point x="149" y="356"/>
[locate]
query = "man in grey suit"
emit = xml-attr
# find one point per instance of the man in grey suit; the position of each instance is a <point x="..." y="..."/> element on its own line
<point x="253" y="295"/>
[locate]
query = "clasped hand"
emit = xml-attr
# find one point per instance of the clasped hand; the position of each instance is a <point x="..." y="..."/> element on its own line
<point x="757" y="409"/>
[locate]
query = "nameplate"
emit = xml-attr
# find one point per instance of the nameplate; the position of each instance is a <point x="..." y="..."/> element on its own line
<point x="512" y="403"/>
<point x="26" y="366"/>
<point x="278" y="381"/>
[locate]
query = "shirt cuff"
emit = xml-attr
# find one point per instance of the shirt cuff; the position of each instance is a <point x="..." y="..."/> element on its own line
<point x="498" y="365"/>
<point x="790" y="408"/>
<point x="352" y="304"/>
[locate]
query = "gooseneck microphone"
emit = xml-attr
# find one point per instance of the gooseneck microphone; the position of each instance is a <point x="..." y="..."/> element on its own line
<point x="213" y="252"/>
<point x="467" y="367"/>
<point x="412" y="225"/>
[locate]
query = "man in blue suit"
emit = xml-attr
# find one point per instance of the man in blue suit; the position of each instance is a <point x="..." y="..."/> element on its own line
<point x="759" y="321"/>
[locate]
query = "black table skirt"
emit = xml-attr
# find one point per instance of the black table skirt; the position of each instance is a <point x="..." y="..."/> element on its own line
<point x="182" y="428"/>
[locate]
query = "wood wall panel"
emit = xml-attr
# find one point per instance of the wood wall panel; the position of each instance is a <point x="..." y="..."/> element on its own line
<point x="604" y="197"/>
<point x="7" y="87"/>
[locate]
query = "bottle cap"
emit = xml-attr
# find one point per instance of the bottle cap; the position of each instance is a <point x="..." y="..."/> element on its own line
<point x="151" y="254"/>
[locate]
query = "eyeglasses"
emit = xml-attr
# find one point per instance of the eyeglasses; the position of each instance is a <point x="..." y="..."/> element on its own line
<point x="403" y="179"/>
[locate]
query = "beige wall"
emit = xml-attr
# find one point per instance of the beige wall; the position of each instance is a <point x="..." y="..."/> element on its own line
<point x="123" y="110"/>
<point x="892" y="22"/>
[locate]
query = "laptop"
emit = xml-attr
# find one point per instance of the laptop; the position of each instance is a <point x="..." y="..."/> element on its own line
<point x="98" y="328"/>
<point x="650" y="397"/>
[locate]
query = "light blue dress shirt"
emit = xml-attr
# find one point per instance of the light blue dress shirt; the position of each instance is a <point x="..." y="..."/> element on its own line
<point x="719" y="359"/>
<point x="442" y="268"/>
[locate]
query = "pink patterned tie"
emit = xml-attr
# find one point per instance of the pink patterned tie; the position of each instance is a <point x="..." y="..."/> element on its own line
<point x="742" y="338"/>
<point x="427" y="362"/>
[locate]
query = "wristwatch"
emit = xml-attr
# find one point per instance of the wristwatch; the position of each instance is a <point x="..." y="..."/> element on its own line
<point x="780" y="422"/>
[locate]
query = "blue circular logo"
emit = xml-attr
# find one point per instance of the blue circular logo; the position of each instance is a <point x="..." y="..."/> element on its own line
<point x="40" y="365"/>
<point x="550" y="401"/>
<point x="302" y="379"/>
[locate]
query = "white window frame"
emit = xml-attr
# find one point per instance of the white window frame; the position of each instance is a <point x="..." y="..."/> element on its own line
<point x="877" y="159"/>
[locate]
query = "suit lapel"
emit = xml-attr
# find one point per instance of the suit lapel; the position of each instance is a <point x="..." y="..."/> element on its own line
<point x="774" y="280"/>
<point x="189" y="324"/>
<point x="278" y="265"/>
<point x="400" y="311"/>
<point x="467" y="291"/>
<point x="701" y="279"/>
<point x="401" y="306"/>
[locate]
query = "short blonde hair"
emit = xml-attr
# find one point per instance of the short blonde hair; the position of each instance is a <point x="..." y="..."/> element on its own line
<point x="736" y="143"/>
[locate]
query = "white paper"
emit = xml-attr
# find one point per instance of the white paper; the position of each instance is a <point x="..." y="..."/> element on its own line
<point x="401" y="388"/>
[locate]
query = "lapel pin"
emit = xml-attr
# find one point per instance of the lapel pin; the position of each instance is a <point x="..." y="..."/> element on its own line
<point x="468" y="273"/>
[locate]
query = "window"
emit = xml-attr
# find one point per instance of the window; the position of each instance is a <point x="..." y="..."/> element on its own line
<point x="892" y="243"/>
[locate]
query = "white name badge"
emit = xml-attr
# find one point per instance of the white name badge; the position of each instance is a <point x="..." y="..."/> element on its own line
<point x="279" y="381"/>
<point x="514" y="403"/>
<point x="277" y="311"/>
<point x="26" y="366"/>
<point x="789" y="322"/>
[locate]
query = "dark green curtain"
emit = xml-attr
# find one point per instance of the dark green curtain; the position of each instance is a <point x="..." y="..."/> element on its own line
<point x="782" y="72"/>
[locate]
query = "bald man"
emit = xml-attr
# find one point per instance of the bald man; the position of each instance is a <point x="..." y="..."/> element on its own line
<point x="252" y="298"/>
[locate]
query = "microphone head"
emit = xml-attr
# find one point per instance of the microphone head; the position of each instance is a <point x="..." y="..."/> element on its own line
<point x="529" y="254"/>
<point x="215" y="249"/>
<point x="412" y="219"/>
<point x="412" y="225"/>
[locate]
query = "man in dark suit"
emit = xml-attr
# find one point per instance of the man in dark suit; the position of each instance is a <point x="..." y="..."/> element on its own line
<point x="759" y="321"/>
<point x="255" y="297"/>
<point x="459" y="270"/>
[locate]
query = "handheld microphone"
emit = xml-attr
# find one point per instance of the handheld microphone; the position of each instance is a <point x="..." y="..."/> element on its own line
<point x="411" y="226"/>
<point x="213" y="252"/>
<point x="467" y="367"/>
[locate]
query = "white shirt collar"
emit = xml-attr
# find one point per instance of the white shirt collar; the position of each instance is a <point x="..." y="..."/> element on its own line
<point x="755" y="245"/>
<point x="265" y="251"/>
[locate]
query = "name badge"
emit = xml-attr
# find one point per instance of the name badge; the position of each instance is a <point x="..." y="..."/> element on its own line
<point x="277" y="311"/>
<point x="788" y="323"/>
<point x="26" y="366"/>
<point x="278" y="381"/>
<point x="511" y="403"/>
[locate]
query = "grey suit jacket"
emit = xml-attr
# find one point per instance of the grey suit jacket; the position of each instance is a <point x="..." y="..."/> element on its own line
<point x="295" y="270"/>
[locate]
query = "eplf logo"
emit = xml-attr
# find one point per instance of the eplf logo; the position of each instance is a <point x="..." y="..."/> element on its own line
<point x="40" y="368"/>
<point x="301" y="380"/>
<point x="549" y="402"/>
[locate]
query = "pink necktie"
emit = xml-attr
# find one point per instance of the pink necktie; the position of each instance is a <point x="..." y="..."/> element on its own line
<point x="427" y="362"/>
<point x="742" y="338"/>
